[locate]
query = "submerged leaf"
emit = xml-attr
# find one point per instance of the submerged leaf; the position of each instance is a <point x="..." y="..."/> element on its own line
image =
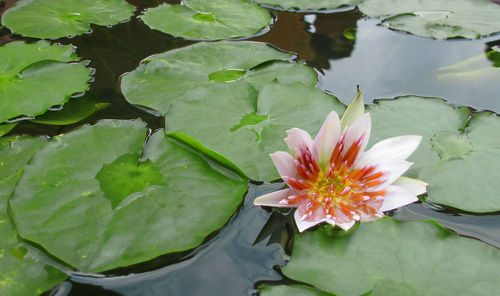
<point x="209" y="20"/>
<point x="125" y="211"/>
<point x="62" y="18"/>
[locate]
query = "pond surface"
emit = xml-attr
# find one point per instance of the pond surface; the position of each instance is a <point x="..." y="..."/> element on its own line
<point x="345" y="49"/>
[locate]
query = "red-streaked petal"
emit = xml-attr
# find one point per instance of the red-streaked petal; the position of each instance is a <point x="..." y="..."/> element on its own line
<point x="347" y="225"/>
<point x="359" y="130"/>
<point x="285" y="163"/>
<point x="326" y="139"/>
<point x="416" y="186"/>
<point x="273" y="199"/>
<point x="303" y="225"/>
<point x="391" y="171"/>
<point x="298" y="141"/>
<point x="388" y="150"/>
<point x="397" y="197"/>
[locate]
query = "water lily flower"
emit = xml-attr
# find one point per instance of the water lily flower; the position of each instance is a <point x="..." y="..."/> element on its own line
<point x="332" y="179"/>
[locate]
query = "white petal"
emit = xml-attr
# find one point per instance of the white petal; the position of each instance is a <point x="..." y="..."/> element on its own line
<point x="273" y="199"/>
<point x="303" y="225"/>
<point x="392" y="171"/>
<point x="285" y="163"/>
<point x="392" y="149"/>
<point x="327" y="138"/>
<point x="354" y="111"/>
<point x="360" y="129"/>
<point x="347" y="225"/>
<point x="298" y="140"/>
<point x="397" y="197"/>
<point x="416" y="186"/>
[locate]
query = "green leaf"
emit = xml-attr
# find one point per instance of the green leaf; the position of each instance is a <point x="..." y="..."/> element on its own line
<point x="295" y="290"/>
<point x="125" y="211"/>
<point x="62" y="18"/>
<point x="388" y="257"/>
<point x="437" y="19"/>
<point x="353" y="112"/>
<point x="166" y="76"/>
<point x="309" y="4"/>
<point x="209" y="20"/>
<point x="34" y="77"/>
<point x="459" y="165"/>
<point x="24" y="270"/>
<point x="75" y="110"/>
<point x="7" y="127"/>
<point x="243" y="126"/>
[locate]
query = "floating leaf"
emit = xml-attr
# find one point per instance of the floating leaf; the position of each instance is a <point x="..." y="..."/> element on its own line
<point x="388" y="257"/>
<point x="460" y="166"/>
<point x="243" y="126"/>
<point x="214" y="19"/>
<point x="438" y="19"/>
<point x="309" y="4"/>
<point x="294" y="290"/>
<point x="24" y="270"/>
<point x="62" y="18"/>
<point x="125" y="210"/>
<point x="34" y="77"/>
<point x="166" y="76"/>
<point x="7" y="127"/>
<point x="75" y="110"/>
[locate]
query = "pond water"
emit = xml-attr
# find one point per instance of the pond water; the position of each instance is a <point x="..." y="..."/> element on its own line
<point x="345" y="49"/>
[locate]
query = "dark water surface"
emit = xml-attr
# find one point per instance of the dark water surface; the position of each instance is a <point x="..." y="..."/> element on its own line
<point x="249" y="249"/>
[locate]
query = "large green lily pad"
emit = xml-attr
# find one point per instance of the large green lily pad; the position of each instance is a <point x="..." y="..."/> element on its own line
<point x="245" y="126"/>
<point x="389" y="257"/>
<point x="62" y="18"/>
<point x="308" y="4"/>
<point x="459" y="165"/>
<point x="24" y="270"/>
<point x="166" y="76"/>
<point x="7" y="127"/>
<point x="37" y="76"/>
<point x="438" y="19"/>
<point x="214" y="19"/>
<point x="90" y="199"/>
<point x="294" y="290"/>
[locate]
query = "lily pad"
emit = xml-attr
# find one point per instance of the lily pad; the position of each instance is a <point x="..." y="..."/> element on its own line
<point x="210" y="20"/>
<point x="62" y="18"/>
<point x="24" y="270"/>
<point x="437" y="19"/>
<point x="388" y="257"/>
<point x="7" y="127"/>
<point x="166" y="76"/>
<point x="174" y="198"/>
<point x="37" y="76"/>
<point x="295" y="290"/>
<point x="75" y="110"/>
<point x="308" y="4"/>
<point x="245" y="126"/>
<point x="459" y="164"/>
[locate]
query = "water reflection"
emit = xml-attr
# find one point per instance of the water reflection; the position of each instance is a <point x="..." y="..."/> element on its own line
<point x="228" y="264"/>
<point x="387" y="64"/>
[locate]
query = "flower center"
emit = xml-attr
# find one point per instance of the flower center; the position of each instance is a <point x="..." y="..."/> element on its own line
<point x="341" y="189"/>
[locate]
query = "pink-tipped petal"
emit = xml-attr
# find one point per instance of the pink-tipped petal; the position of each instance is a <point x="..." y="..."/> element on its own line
<point x="359" y="130"/>
<point x="416" y="186"/>
<point x="391" y="172"/>
<point x="303" y="225"/>
<point x="273" y="199"/>
<point x="397" y="197"/>
<point x="285" y="163"/>
<point x="327" y="138"/>
<point x="392" y="149"/>
<point x="347" y="225"/>
<point x="298" y="141"/>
